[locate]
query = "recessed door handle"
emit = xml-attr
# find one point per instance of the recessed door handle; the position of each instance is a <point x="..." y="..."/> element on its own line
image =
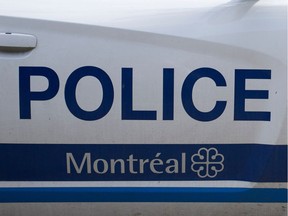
<point x="17" y="42"/>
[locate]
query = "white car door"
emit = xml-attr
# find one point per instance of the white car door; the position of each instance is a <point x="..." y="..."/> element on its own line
<point x="145" y="116"/>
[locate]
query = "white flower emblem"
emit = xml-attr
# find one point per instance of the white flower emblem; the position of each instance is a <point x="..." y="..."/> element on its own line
<point x="207" y="162"/>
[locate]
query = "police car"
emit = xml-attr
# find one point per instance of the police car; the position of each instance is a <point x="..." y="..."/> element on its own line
<point x="143" y="108"/>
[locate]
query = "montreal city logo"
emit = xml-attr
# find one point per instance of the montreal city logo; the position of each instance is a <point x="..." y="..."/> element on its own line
<point x="206" y="163"/>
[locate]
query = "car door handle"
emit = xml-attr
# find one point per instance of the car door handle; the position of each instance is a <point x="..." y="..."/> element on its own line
<point x="17" y="42"/>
